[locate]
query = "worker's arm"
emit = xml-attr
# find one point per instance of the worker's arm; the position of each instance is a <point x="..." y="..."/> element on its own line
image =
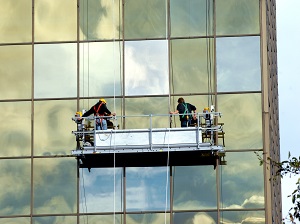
<point x="175" y="112"/>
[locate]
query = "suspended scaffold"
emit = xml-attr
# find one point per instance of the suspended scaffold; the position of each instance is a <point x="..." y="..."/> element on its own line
<point x="197" y="144"/>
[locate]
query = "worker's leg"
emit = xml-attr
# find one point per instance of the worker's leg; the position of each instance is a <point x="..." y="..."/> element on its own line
<point x="184" y="123"/>
<point x="104" y="124"/>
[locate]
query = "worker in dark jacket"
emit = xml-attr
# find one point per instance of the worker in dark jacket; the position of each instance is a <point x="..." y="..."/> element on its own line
<point x="99" y="109"/>
<point x="185" y="112"/>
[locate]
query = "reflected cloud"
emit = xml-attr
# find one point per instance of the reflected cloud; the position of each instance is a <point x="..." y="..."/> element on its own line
<point x="201" y="218"/>
<point x="55" y="70"/>
<point x="146" y="70"/>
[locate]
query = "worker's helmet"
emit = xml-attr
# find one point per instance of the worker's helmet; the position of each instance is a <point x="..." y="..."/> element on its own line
<point x="102" y="100"/>
<point x="78" y="114"/>
<point x="206" y="109"/>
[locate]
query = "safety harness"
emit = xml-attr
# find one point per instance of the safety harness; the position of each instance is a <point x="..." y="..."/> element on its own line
<point x="96" y="113"/>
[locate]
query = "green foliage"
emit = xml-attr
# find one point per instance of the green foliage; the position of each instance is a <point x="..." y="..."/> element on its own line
<point x="288" y="167"/>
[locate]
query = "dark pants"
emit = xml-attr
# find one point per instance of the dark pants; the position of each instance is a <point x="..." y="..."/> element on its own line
<point x="185" y="123"/>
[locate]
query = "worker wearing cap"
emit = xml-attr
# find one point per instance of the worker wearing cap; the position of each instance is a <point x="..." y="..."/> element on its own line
<point x="99" y="109"/>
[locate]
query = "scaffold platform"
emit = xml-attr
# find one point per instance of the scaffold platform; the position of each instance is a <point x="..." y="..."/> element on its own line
<point x="149" y="147"/>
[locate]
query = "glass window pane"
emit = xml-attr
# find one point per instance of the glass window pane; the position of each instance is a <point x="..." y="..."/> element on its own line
<point x="194" y="188"/>
<point x="257" y="217"/>
<point x="242" y="118"/>
<point x="146" y="68"/>
<point x="54" y="220"/>
<point x="16" y="72"/>
<point x="15" y="17"/>
<point x="157" y="107"/>
<point x="60" y="196"/>
<point x="101" y="190"/>
<point x="238" y="188"/>
<point x="147" y="188"/>
<point x="153" y="218"/>
<point x="55" y="70"/>
<point x="15" y="187"/>
<point x="55" y="20"/>
<point x="144" y="18"/>
<point x="15" y="220"/>
<point x="237" y="17"/>
<point x="100" y="19"/>
<point x="195" y="217"/>
<point x="191" y="18"/>
<point x="192" y="66"/>
<point x="100" y="69"/>
<point x="238" y="64"/>
<point x="101" y="219"/>
<point x="15" y="129"/>
<point x="53" y="127"/>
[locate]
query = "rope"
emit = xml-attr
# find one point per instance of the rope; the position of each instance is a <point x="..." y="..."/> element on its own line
<point x="167" y="177"/>
<point x="208" y="53"/>
<point x="87" y="218"/>
<point x="114" y="40"/>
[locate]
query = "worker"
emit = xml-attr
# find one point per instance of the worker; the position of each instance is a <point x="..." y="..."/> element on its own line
<point x="100" y="109"/>
<point x="185" y="112"/>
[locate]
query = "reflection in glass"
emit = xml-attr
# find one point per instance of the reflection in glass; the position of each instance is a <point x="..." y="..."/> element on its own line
<point x="148" y="218"/>
<point x="147" y="188"/>
<point x="16" y="71"/>
<point x="55" y="70"/>
<point x="237" y="17"/>
<point x="99" y="219"/>
<point x="191" y="18"/>
<point x="145" y="19"/>
<point x="15" y="129"/>
<point x="242" y="181"/>
<point x="15" y="17"/>
<point x="53" y="127"/>
<point x="146" y="67"/>
<point x="238" y="64"/>
<point x="100" y="19"/>
<point x="257" y="217"/>
<point x="194" y="188"/>
<point x="199" y="102"/>
<point x="15" y="187"/>
<point x="100" y="69"/>
<point x="22" y="220"/>
<point x="55" y="20"/>
<point x="101" y="190"/>
<point x="60" y="196"/>
<point x="243" y="120"/>
<point x="195" y="218"/>
<point x="140" y="109"/>
<point x="54" y="220"/>
<point x="192" y="66"/>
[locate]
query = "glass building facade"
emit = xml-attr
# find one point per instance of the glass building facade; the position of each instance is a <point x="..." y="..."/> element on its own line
<point x="58" y="57"/>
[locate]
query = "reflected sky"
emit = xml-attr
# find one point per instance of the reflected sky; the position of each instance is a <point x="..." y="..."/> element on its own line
<point x="191" y="17"/>
<point x="100" y="69"/>
<point x="237" y="17"/>
<point x="55" y="70"/>
<point x="238" y="64"/>
<point x="101" y="190"/>
<point x="53" y="127"/>
<point x="146" y="68"/>
<point x="15" y="129"/>
<point x="15" y="17"/>
<point x="15" y="72"/>
<point x="55" y="20"/>
<point x="100" y="19"/>
<point x="238" y="190"/>
<point x="15" y="187"/>
<point x="59" y="196"/>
